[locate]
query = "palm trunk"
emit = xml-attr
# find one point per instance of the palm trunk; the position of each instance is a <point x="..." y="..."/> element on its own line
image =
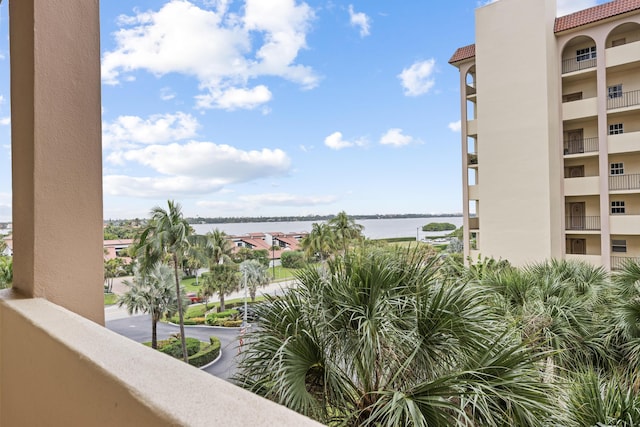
<point x="183" y="340"/>
<point x="154" y="332"/>
<point x="221" y="301"/>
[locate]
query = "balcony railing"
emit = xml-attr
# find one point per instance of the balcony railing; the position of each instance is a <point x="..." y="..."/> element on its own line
<point x="471" y="90"/>
<point x="624" y="182"/>
<point x="584" y="145"/>
<point x="474" y="223"/>
<point x="618" y="262"/>
<point x="573" y="64"/>
<point x="582" y="223"/>
<point x="626" y="99"/>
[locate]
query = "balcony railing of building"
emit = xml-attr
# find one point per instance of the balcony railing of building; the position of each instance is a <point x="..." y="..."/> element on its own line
<point x="618" y="262"/>
<point x="584" y="145"/>
<point x="582" y="223"/>
<point x="474" y="223"/>
<point x="625" y="99"/>
<point x="624" y="182"/>
<point x="577" y="63"/>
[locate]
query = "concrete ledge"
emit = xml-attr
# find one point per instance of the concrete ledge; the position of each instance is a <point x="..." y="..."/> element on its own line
<point x="58" y="368"/>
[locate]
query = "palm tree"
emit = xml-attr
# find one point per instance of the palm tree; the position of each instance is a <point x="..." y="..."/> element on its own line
<point x="254" y="274"/>
<point x="319" y="242"/>
<point x="218" y="249"/>
<point x="345" y="229"/>
<point x="222" y="279"/>
<point x="167" y="233"/>
<point x="151" y="292"/>
<point x="624" y="335"/>
<point x="386" y="339"/>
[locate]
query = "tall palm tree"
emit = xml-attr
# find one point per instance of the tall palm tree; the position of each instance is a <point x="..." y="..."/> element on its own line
<point x="222" y="279"/>
<point x="319" y="242"/>
<point x="386" y="339"/>
<point x="151" y="292"/>
<point x="345" y="229"/>
<point x="218" y="248"/>
<point x="167" y="234"/>
<point x="254" y="274"/>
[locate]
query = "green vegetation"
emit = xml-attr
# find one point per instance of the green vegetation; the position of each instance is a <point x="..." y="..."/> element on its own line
<point x="393" y="336"/>
<point x="6" y="272"/>
<point x="116" y="232"/>
<point x="293" y="259"/>
<point x="200" y="353"/>
<point x="438" y="226"/>
<point x="110" y="299"/>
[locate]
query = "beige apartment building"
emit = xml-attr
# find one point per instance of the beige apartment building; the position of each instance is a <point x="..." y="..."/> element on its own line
<point x="550" y="111"/>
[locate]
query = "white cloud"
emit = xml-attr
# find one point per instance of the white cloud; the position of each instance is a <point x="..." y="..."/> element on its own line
<point x="336" y="142"/>
<point x="234" y="98"/>
<point x="159" y="187"/>
<point x="5" y="121"/>
<point x="455" y="126"/>
<point x="5" y="207"/>
<point x="395" y="137"/>
<point x="360" y="20"/>
<point x="178" y="38"/>
<point x="166" y="94"/>
<point x="251" y="202"/>
<point x="159" y="128"/>
<point x="418" y="79"/>
<point x="209" y="160"/>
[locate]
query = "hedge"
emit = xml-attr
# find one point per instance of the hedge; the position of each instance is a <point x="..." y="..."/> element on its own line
<point x="173" y="347"/>
<point x="207" y="354"/>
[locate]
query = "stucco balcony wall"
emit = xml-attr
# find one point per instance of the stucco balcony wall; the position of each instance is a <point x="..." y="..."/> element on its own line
<point x="624" y="142"/>
<point x="60" y="369"/>
<point x="581" y="186"/>
<point x="624" y="54"/>
<point x="595" y="260"/>
<point x="624" y="224"/>
<point x="579" y="109"/>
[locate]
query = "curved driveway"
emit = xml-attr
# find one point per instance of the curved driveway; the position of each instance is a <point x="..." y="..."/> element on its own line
<point x="138" y="328"/>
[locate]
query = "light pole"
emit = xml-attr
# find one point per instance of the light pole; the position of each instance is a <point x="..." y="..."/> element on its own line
<point x="273" y="259"/>
<point x="417" y="234"/>
<point x="244" y="320"/>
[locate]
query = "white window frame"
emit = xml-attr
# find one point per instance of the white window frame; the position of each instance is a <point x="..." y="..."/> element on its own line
<point x="618" y="207"/>
<point x="616" y="168"/>
<point x="615" y="91"/>
<point x="616" y="128"/>
<point x="618" y="245"/>
<point x="586" y="53"/>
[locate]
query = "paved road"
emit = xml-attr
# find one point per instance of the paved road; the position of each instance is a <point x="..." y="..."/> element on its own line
<point x="138" y="328"/>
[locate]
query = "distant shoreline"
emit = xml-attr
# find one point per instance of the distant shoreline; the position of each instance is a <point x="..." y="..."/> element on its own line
<point x="238" y="220"/>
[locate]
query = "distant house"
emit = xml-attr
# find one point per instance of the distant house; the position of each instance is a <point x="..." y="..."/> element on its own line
<point x="8" y="251"/>
<point x="116" y="249"/>
<point x="285" y="241"/>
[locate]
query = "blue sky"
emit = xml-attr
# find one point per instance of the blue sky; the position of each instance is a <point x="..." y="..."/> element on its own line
<point x="276" y="107"/>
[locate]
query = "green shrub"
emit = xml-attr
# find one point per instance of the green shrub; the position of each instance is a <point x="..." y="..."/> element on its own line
<point x="292" y="259"/>
<point x="173" y="347"/>
<point x="438" y="226"/>
<point x="232" y="323"/>
<point x="207" y="354"/>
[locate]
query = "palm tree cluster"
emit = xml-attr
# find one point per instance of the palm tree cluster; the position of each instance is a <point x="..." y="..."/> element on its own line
<point x="393" y="337"/>
<point x="330" y="237"/>
<point x="166" y="245"/>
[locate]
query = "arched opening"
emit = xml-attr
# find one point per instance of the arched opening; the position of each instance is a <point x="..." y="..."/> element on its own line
<point x="579" y="54"/>
<point x="623" y="34"/>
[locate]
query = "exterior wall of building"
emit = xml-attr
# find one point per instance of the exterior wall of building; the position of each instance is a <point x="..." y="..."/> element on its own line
<point x="518" y="93"/>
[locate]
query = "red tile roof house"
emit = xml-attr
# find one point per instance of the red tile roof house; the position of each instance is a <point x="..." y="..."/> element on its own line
<point x="286" y="241"/>
<point x="112" y="249"/>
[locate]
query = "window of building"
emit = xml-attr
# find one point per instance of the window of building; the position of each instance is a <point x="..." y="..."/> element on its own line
<point x="617" y="168"/>
<point x="617" y="207"/>
<point x="616" y="128"/>
<point x="586" y="53"/>
<point x="615" y="91"/>
<point x="618" y="246"/>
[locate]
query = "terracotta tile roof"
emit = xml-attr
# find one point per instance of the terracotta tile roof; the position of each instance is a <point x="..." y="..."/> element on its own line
<point x="594" y="14"/>
<point x="463" y="53"/>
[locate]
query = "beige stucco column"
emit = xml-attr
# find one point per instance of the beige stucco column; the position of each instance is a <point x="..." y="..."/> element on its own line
<point x="56" y="152"/>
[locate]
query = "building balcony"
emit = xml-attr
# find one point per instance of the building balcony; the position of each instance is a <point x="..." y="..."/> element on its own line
<point x="624" y="142"/>
<point x="472" y="127"/>
<point x="618" y="262"/>
<point x="60" y="367"/>
<point x="577" y="64"/>
<point x="624" y="224"/>
<point x="584" y="186"/>
<point x="581" y="146"/>
<point x="474" y="223"/>
<point x="472" y="160"/>
<point x="594" y="260"/>
<point x="624" y="182"/>
<point x="625" y="100"/>
<point x="579" y="109"/>
<point x="624" y="54"/>
<point x="470" y="90"/>
<point x="582" y="223"/>
<point x="474" y="192"/>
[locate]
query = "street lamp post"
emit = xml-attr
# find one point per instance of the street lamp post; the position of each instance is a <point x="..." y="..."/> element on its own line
<point x="244" y="320"/>
<point x="417" y="234"/>
<point x="273" y="259"/>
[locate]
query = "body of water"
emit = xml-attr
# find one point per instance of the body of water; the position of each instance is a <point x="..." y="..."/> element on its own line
<point x="373" y="228"/>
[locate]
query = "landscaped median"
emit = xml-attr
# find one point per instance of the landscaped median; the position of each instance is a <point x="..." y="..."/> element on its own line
<point x="201" y="314"/>
<point x="199" y="353"/>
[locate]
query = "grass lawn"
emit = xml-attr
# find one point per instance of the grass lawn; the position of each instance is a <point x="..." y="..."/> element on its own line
<point x="110" y="299"/>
